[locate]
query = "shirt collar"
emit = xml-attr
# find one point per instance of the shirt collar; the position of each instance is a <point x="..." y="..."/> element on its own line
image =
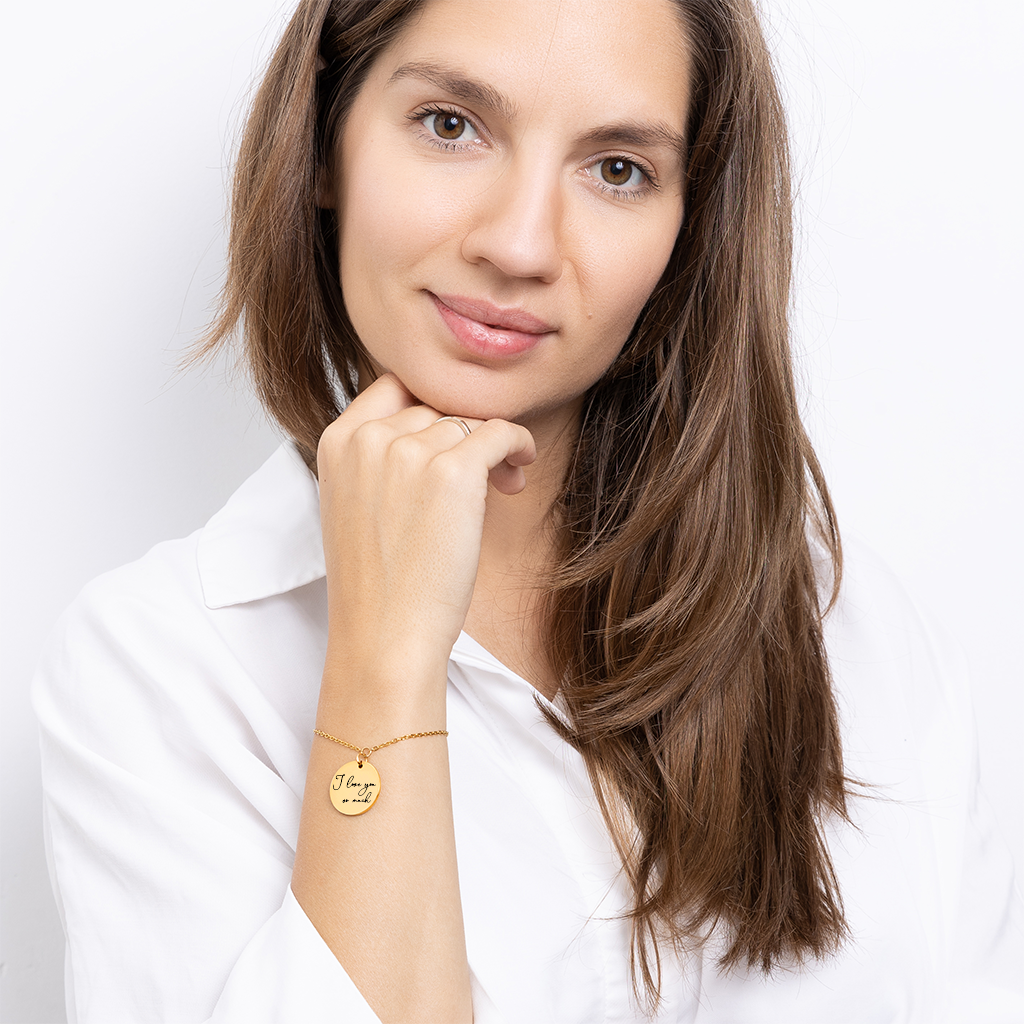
<point x="266" y="540"/>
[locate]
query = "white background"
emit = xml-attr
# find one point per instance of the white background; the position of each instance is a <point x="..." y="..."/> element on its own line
<point x="119" y="124"/>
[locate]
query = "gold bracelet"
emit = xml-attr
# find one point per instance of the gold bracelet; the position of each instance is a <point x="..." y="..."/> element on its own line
<point x="360" y="775"/>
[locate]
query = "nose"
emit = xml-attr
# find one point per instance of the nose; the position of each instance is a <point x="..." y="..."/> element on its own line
<point x="516" y="222"/>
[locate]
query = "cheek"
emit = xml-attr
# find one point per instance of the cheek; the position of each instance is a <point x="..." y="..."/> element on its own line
<point x="371" y="238"/>
<point x="622" y="270"/>
<point x="380" y="232"/>
<point x="390" y="218"/>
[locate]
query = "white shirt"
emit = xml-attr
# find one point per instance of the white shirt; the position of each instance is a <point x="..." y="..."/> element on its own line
<point x="177" y="704"/>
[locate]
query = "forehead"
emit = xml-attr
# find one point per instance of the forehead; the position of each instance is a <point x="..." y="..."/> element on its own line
<point x="603" y="59"/>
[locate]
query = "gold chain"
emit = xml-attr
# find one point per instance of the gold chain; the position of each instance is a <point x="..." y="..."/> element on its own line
<point x="363" y="753"/>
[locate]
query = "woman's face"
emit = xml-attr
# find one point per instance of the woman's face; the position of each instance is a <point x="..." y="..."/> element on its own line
<point x="509" y="190"/>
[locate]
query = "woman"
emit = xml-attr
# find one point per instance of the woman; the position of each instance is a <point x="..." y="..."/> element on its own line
<point x="566" y="605"/>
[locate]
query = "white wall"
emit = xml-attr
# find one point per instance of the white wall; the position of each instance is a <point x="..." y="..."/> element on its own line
<point x="907" y="116"/>
<point x="118" y="118"/>
<point x="118" y="123"/>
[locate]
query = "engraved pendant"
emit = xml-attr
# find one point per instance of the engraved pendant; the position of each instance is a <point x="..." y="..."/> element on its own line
<point x="354" y="789"/>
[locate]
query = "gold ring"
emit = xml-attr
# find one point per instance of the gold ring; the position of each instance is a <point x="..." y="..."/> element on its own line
<point x="455" y="419"/>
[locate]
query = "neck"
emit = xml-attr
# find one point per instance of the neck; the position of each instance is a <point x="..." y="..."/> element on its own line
<point x="517" y="551"/>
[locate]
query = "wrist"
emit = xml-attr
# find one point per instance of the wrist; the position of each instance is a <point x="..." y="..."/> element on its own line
<point x="403" y="689"/>
<point x="391" y="633"/>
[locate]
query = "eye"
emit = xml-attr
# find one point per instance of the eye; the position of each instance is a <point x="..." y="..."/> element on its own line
<point x="620" y="173"/>
<point x="449" y="125"/>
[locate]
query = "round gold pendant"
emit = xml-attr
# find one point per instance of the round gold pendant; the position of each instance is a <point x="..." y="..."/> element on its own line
<point x="354" y="789"/>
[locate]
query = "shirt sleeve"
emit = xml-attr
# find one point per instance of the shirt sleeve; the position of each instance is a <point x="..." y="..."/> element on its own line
<point x="310" y="984"/>
<point x="170" y="833"/>
<point x="172" y="789"/>
<point x="984" y="976"/>
<point x="287" y="973"/>
<point x="987" y="976"/>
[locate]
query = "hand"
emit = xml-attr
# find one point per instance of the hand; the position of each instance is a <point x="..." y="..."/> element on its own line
<point x="402" y="500"/>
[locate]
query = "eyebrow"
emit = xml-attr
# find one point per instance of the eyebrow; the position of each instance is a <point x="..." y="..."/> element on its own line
<point x="636" y="133"/>
<point x="457" y="84"/>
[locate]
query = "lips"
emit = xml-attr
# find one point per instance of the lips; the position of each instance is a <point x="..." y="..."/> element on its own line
<point x="487" y="330"/>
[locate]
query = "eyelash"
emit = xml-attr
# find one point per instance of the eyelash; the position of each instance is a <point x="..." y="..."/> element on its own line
<point x="448" y="145"/>
<point x="420" y="116"/>
<point x="629" y="194"/>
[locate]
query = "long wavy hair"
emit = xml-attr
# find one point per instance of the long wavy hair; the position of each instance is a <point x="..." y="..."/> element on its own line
<point x="684" y="614"/>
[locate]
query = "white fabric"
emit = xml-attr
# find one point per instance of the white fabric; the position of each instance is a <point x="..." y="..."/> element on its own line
<point x="177" y="705"/>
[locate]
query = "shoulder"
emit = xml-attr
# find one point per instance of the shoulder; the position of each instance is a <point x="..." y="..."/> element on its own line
<point x="151" y="635"/>
<point x="877" y="627"/>
<point x="128" y="618"/>
<point x="901" y="681"/>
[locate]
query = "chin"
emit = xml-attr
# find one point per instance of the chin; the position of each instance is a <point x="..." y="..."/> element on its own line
<point x="475" y="395"/>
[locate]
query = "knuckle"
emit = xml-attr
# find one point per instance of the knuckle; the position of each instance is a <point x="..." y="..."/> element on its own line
<point x="370" y="437"/>
<point x="511" y="435"/>
<point x="406" y="451"/>
<point x="330" y="433"/>
<point x="329" y="443"/>
<point x="449" y="470"/>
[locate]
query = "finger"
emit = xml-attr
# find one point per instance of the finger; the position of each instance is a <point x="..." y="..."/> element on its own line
<point x="415" y="419"/>
<point x="450" y="430"/>
<point x="507" y="479"/>
<point x="416" y="426"/>
<point x="498" y="441"/>
<point x="503" y="448"/>
<point x="385" y="397"/>
<point x="379" y="413"/>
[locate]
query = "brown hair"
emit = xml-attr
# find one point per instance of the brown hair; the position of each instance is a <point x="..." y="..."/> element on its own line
<point x="684" y="614"/>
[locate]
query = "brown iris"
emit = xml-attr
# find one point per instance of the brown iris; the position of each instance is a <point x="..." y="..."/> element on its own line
<point x="449" y="126"/>
<point x="616" y="171"/>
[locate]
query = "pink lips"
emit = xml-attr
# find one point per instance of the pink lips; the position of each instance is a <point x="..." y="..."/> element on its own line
<point x="489" y="330"/>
